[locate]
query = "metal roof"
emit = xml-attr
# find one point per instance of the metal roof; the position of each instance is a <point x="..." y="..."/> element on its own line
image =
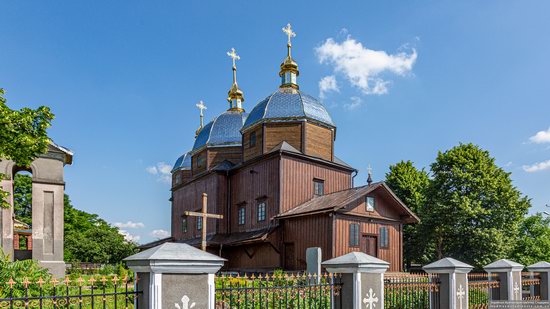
<point x="224" y="130"/>
<point x="289" y="104"/>
<point x="183" y="162"/>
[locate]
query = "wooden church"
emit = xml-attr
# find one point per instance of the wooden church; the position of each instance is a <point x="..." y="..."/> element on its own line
<point x="273" y="176"/>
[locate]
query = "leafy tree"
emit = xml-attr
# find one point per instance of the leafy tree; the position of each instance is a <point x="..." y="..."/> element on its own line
<point x="88" y="238"/>
<point x="23" y="135"/>
<point x="411" y="185"/>
<point x="473" y="211"/>
<point x="533" y="243"/>
<point x="19" y="271"/>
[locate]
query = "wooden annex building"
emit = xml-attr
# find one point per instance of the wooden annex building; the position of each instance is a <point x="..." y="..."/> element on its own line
<point x="274" y="177"/>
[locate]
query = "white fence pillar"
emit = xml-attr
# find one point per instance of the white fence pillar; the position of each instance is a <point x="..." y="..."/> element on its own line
<point x="544" y="269"/>
<point x="174" y="275"/>
<point x="509" y="275"/>
<point x="453" y="290"/>
<point x="362" y="280"/>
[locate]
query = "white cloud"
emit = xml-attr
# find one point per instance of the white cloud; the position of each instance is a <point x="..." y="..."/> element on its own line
<point x="362" y="66"/>
<point x="162" y="170"/>
<point x="541" y="137"/>
<point x="326" y="85"/>
<point x="129" y="224"/>
<point x="355" y="103"/>
<point x="160" y="233"/>
<point x="128" y="236"/>
<point x="537" y="167"/>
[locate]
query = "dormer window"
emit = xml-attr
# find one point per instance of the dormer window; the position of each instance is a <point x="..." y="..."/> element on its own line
<point x="370" y="203"/>
<point x="318" y="187"/>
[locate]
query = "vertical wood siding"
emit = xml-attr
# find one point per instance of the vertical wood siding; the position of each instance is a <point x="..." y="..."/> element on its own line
<point x="384" y="206"/>
<point x="306" y="232"/>
<point x="252" y="183"/>
<point x="392" y="255"/>
<point x="319" y="141"/>
<point x="189" y="198"/>
<point x="195" y="162"/>
<point x="297" y="182"/>
<point x="252" y="152"/>
<point x="218" y="155"/>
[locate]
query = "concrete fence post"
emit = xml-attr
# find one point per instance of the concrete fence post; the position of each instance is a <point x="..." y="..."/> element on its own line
<point x="509" y="275"/>
<point x="544" y="269"/>
<point x="453" y="290"/>
<point x="362" y="280"/>
<point x="175" y="276"/>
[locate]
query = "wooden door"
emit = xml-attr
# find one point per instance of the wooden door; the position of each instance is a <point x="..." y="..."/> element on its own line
<point x="290" y="256"/>
<point x="369" y="245"/>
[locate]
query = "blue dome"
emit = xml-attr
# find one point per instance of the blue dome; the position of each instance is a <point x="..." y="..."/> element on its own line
<point x="289" y="104"/>
<point x="183" y="162"/>
<point x="224" y="130"/>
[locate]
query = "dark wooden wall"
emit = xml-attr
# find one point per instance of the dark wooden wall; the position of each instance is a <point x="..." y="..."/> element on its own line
<point x="252" y="152"/>
<point x="384" y="206"/>
<point x="319" y="141"/>
<point x="189" y="198"/>
<point x="218" y="154"/>
<point x="196" y="159"/>
<point x="251" y="183"/>
<point x="306" y="232"/>
<point x="275" y="133"/>
<point x="259" y="257"/>
<point x="297" y="180"/>
<point x="392" y="255"/>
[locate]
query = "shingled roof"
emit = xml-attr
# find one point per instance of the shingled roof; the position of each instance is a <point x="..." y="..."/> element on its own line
<point x="338" y="200"/>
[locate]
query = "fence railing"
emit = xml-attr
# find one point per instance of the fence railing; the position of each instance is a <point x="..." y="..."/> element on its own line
<point x="530" y="282"/>
<point x="411" y="291"/>
<point x="83" y="292"/>
<point x="278" y="291"/>
<point x="482" y="287"/>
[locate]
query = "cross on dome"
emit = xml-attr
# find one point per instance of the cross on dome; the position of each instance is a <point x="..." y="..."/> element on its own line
<point x="233" y="55"/>
<point x="289" y="32"/>
<point x="201" y="107"/>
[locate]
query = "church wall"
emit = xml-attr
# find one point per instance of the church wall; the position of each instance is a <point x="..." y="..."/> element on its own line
<point x="189" y="198"/>
<point x="319" y="141"/>
<point x="304" y="232"/>
<point x="384" y="206"/>
<point x="275" y="133"/>
<point x="297" y="180"/>
<point x="393" y="254"/>
<point x="198" y="162"/>
<point x="259" y="257"/>
<point x="249" y="151"/>
<point x="219" y="154"/>
<point x="251" y="184"/>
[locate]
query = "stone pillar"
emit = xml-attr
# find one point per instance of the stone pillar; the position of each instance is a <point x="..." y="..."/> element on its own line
<point x="544" y="269"/>
<point x="362" y="278"/>
<point x="313" y="261"/>
<point x="174" y="275"/>
<point x="6" y="214"/>
<point x="509" y="275"/>
<point x="453" y="290"/>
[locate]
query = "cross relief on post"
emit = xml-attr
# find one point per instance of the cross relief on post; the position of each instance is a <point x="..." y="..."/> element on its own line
<point x="460" y="294"/>
<point x="516" y="291"/>
<point x="204" y="215"/>
<point x="371" y="300"/>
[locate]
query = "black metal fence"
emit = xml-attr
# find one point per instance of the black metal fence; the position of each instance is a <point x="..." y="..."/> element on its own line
<point x="530" y="282"/>
<point x="411" y="291"/>
<point x="278" y="291"/>
<point x="82" y="292"/>
<point x="482" y="288"/>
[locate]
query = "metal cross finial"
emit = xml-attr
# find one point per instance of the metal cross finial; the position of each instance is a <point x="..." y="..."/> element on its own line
<point x="289" y="32"/>
<point x="201" y="106"/>
<point x="233" y="55"/>
<point x="369" y="169"/>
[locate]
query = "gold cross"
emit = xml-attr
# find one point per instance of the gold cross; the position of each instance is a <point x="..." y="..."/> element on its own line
<point x="204" y="215"/>
<point x="289" y="32"/>
<point x="233" y="56"/>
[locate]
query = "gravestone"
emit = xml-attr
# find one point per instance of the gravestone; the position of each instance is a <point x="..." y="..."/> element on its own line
<point x="313" y="261"/>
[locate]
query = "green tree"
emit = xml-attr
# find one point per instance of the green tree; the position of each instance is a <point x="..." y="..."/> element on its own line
<point x="473" y="211"/>
<point x="411" y="185"/>
<point x="533" y="243"/>
<point x="88" y="238"/>
<point x="23" y="135"/>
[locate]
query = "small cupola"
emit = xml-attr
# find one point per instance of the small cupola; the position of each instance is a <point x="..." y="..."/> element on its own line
<point x="235" y="96"/>
<point x="289" y="68"/>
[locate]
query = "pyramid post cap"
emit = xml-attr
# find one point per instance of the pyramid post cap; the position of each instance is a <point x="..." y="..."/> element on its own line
<point x="356" y="262"/>
<point x="448" y="265"/>
<point x="503" y="265"/>
<point x="542" y="266"/>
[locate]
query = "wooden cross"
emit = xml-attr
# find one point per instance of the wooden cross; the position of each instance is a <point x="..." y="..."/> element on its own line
<point x="289" y="32"/>
<point x="204" y="216"/>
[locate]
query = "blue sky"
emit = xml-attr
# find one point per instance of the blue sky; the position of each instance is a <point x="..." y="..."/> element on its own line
<point x="412" y="78"/>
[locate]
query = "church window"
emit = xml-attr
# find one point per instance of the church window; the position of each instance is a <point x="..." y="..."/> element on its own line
<point x="201" y="160"/>
<point x="184" y="225"/>
<point x="261" y="211"/>
<point x="242" y="215"/>
<point x="252" y="139"/>
<point x="199" y="223"/>
<point x="354" y="234"/>
<point x="369" y="202"/>
<point x="384" y="238"/>
<point x="318" y="187"/>
<point x="178" y="178"/>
